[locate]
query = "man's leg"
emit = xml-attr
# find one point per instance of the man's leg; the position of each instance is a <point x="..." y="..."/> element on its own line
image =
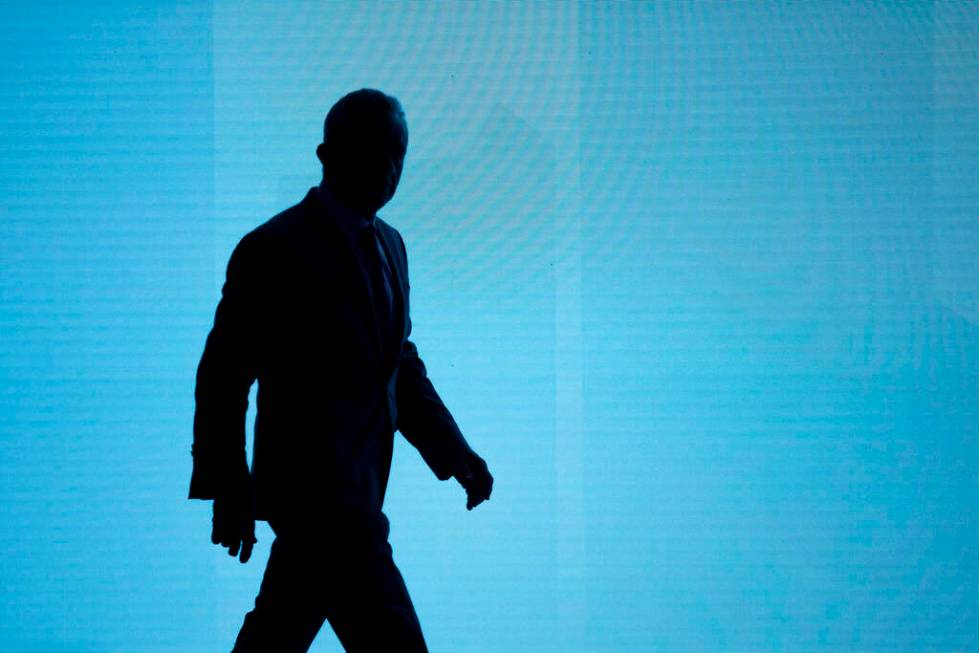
<point x="289" y="607"/>
<point x="369" y="607"/>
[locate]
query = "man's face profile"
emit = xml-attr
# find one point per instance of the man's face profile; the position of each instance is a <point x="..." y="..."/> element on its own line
<point x="363" y="159"/>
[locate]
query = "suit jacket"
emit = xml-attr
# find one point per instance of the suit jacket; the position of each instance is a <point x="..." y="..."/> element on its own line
<point x="295" y="315"/>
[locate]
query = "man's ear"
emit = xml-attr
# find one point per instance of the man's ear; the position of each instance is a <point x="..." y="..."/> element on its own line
<point x="322" y="152"/>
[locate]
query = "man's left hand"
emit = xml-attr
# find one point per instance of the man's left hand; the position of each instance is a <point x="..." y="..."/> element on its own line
<point x="473" y="474"/>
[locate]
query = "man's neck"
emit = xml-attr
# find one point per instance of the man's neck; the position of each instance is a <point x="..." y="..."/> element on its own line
<point x="325" y="188"/>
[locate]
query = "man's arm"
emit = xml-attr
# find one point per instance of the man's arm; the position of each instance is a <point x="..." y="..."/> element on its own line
<point x="225" y="374"/>
<point x="428" y="425"/>
<point x="423" y="419"/>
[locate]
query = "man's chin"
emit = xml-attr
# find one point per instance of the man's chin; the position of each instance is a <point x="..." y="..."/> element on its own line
<point x="379" y="205"/>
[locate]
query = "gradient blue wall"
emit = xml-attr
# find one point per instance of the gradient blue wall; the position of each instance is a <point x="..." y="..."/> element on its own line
<point x="698" y="280"/>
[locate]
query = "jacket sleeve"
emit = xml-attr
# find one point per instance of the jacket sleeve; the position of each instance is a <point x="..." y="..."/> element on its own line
<point x="423" y="418"/>
<point x="225" y="374"/>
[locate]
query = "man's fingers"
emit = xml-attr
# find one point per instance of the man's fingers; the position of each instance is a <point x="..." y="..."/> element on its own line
<point x="485" y="484"/>
<point x="225" y="534"/>
<point x="233" y="529"/>
<point x="246" y="549"/>
<point x="483" y="480"/>
<point x="477" y="481"/>
<point x="220" y="534"/>
<point x="473" y="499"/>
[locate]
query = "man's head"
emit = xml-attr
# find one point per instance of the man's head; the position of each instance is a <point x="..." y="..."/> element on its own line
<point x="365" y="137"/>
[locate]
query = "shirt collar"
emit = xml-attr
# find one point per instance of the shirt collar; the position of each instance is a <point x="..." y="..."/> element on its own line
<point x="352" y="222"/>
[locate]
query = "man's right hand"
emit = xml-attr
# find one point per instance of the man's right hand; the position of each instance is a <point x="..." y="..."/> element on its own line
<point x="234" y="523"/>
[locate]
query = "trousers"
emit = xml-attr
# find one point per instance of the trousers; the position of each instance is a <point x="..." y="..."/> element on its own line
<point x="359" y="590"/>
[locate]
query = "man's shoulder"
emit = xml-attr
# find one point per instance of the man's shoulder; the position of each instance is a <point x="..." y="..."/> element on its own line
<point x="285" y="222"/>
<point x="280" y="229"/>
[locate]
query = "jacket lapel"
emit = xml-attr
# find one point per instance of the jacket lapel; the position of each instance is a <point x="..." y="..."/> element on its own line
<point x="340" y="264"/>
<point x="393" y="254"/>
<point x="341" y="272"/>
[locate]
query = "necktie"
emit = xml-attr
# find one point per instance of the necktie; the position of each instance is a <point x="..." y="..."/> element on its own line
<point x="380" y="288"/>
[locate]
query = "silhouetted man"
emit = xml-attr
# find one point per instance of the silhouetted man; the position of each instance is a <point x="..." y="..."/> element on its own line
<point x="315" y="307"/>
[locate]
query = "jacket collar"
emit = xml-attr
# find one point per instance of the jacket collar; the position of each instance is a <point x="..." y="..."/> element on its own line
<point x="352" y="222"/>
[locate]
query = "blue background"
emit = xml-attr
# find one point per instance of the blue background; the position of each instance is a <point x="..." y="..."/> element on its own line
<point x="698" y="280"/>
